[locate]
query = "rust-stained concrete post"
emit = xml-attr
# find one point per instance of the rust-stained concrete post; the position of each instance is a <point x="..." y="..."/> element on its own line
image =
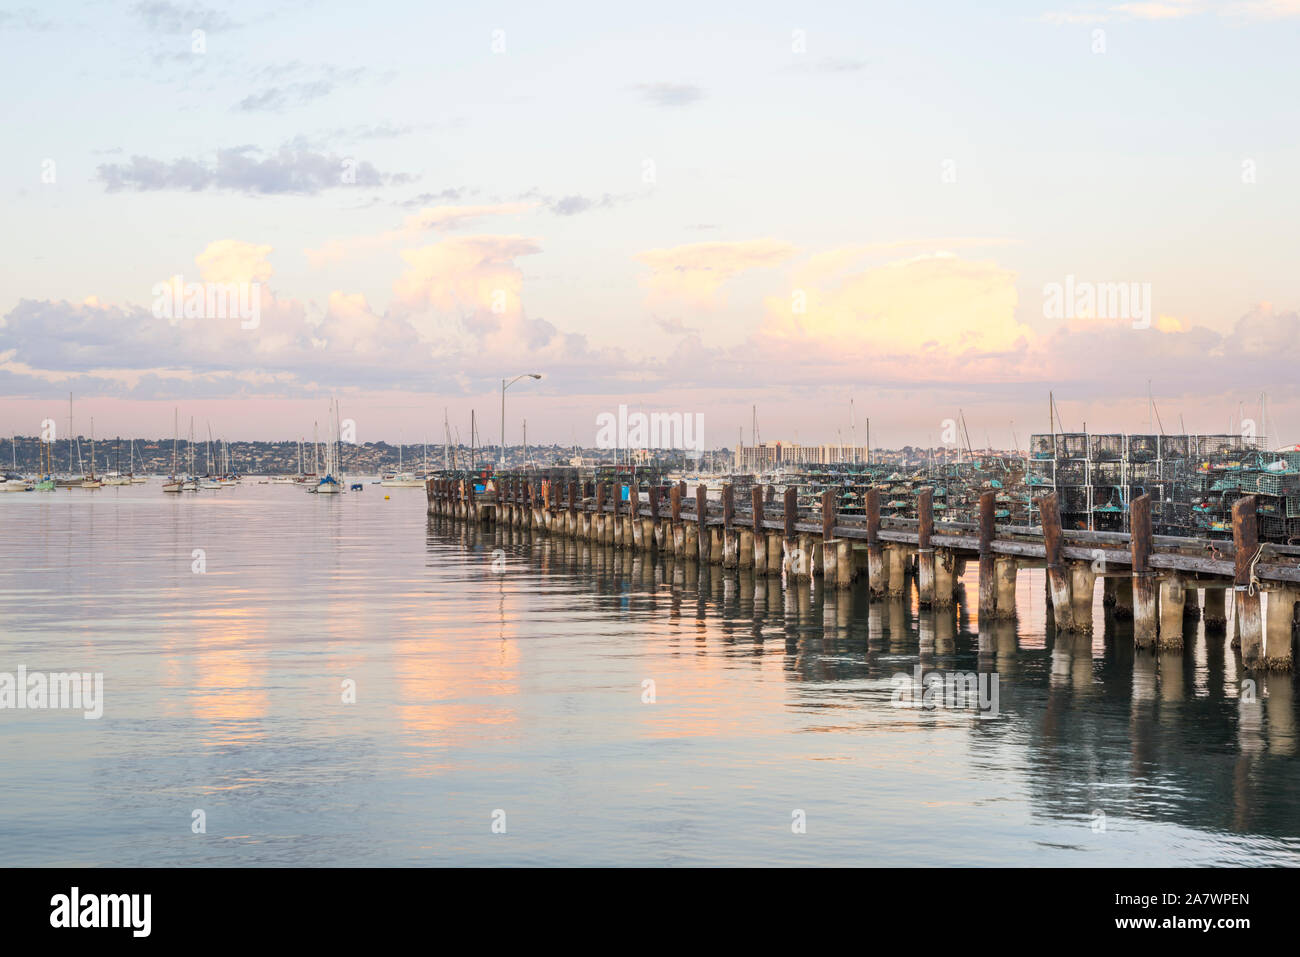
<point x="945" y="577"/>
<point x="635" y="536"/>
<point x="988" y="601"/>
<point x="1245" y="541"/>
<point x="794" y="561"/>
<point x="598" y="517"/>
<point x="1173" y="593"/>
<point x="572" y="526"/>
<point x="829" y="566"/>
<point x="1058" y="579"/>
<point x="701" y="522"/>
<point x="1144" y="583"/>
<point x="617" y="519"/>
<point x="1279" y="628"/>
<point x="877" y="575"/>
<point x="730" y="540"/>
<point x="1215" y="612"/>
<point x="1004" y="568"/>
<point x="1083" y="584"/>
<point x="924" y="551"/>
<point x="675" y="519"/>
<point x="1124" y="599"/>
<point x="611" y="520"/>
<point x="896" y="556"/>
<point x="654" y="528"/>
<point x="758" y="535"/>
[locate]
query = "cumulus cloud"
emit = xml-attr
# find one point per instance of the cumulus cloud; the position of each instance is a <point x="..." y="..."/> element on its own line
<point x="693" y="273"/>
<point x="911" y="328"/>
<point x="430" y="219"/>
<point x="928" y="303"/>
<point x="232" y="260"/>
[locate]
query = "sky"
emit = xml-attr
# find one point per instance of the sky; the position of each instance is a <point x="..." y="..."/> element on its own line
<point x="830" y="212"/>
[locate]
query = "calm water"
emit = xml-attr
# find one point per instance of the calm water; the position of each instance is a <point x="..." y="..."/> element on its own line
<point x="506" y="673"/>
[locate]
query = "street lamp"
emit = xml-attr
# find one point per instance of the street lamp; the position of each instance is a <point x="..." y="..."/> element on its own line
<point x="501" y="461"/>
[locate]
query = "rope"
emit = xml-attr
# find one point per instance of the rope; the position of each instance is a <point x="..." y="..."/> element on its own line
<point x="1253" y="588"/>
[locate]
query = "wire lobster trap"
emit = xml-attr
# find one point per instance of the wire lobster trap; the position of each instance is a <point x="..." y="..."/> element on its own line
<point x="1268" y="505"/>
<point x="1042" y="447"/>
<point x="1041" y="474"/>
<point x="1108" y="473"/>
<point x="1108" y="521"/>
<point x="1072" y="445"/>
<point x="1277" y="483"/>
<point x="1177" y="470"/>
<point x="1071" y="472"/>
<point x="1220" y="447"/>
<point x="1107" y="499"/>
<point x="1073" y="498"/>
<point x="1143" y="448"/>
<point x="1106" y="448"/>
<point x="1175" y="446"/>
<point x="1273" y="529"/>
<point x="1144" y="472"/>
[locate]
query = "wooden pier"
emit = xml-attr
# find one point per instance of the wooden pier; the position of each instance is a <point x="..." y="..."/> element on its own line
<point x="1155" y="580"/>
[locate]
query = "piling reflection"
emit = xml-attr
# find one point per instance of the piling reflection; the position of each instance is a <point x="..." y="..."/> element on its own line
<point x="1137" y="735"/>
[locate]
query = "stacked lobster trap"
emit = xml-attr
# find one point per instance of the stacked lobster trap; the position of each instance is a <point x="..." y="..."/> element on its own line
<point x="1192" y="481"/>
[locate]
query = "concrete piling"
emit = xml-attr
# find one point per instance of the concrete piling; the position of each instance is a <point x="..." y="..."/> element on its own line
<point x="1215" y="610"/>
<point x="1245" y="541"/>
<point x="1058" y="579"/>
<point x="877" y="572"/>
<point x="1083" y="585"/>
<point x="988" y="596"/>
<point x="1173" y="594"/>
<point x="1145" y="624"/>
<point x="1279" y="628"/>
<point x="1004" y="569"/>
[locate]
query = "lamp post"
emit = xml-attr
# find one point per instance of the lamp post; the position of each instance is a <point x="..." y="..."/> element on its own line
<point x="501" y="461"/>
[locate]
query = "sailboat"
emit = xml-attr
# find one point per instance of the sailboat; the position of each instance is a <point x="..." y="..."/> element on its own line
<point x="228" y="476"/>
<point x="91" y="480"/>
<point x="174" y="482"/>
<point x="45" y="480"/>
<point x="400" y="479"/>
<point x="116" y="477"/>
<point x="329" y="485"/>
<point x="210" y="481"/>
<point x="191" y="483"/>
<point x="135" y="479"/>
<point x="12" y="481"/>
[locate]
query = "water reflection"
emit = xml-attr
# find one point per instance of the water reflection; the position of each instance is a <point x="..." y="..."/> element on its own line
<point x="619" y="708"/>
<point x="1093" y="728"/>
